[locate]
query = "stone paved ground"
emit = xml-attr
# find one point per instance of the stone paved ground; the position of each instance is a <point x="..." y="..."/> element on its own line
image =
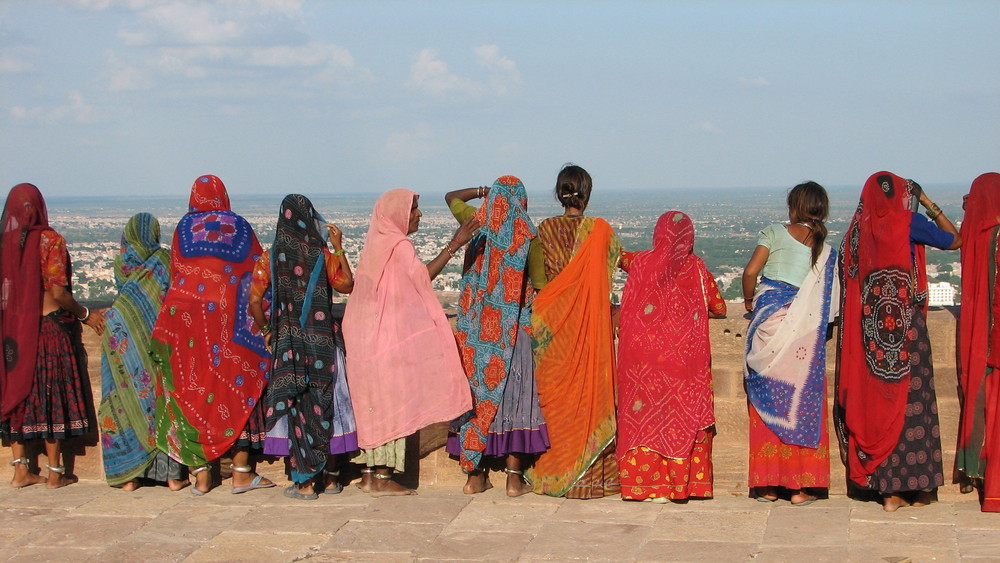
<point x="92" y="522"/>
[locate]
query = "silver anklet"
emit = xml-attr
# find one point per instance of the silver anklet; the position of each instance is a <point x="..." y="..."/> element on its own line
<point x="23" y="460"/>
<point x="241" y="469"/>
<point x="60" y="470"/>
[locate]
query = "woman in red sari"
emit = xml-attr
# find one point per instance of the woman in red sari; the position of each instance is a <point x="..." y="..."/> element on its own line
<point x="209" y="354"/>
<point x="886" y="410"/>
<point x="977" y="460"/>
<point x="666" y="417"/>
<point x="571" y="262"/>
<point x="42" y="395"/>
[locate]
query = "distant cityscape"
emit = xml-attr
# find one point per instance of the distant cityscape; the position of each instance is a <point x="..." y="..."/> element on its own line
<point x="727" y="222"/>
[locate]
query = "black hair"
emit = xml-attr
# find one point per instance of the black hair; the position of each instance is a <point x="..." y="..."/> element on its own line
<point x="573" y="186"/>
<point x="808" y="203"/>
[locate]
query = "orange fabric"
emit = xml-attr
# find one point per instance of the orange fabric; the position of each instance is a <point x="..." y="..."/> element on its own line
<point x="774" y="463"/>
<point x="575" y="364"/>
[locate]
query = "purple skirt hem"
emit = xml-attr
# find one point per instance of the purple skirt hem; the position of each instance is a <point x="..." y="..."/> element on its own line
<point x="513" y="442"/>
<point x="338" y="445"/>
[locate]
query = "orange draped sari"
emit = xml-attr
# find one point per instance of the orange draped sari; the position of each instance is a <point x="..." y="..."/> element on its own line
<point x="575" y="363"/>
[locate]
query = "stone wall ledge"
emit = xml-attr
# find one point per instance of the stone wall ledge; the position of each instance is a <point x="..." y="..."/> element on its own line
<point x="730" y="446"/>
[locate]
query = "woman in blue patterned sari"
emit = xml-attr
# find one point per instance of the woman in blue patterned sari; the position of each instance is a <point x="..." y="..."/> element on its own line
<point x="128" y="398"/>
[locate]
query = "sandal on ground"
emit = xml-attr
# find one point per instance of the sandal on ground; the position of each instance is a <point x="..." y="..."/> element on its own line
<point x="336" y="488"/>
<point x="293" y="492"/>
<point x="255" y="484"/>
<point x="806" y="502"/>
<point x="194" y="489"/>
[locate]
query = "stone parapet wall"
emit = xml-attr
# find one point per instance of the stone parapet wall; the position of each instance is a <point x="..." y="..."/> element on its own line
<point x="730" y="455"/>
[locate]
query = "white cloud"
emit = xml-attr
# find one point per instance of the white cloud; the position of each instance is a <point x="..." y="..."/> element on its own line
<point x="431" y="76"/>
<point x="708" y="126"/>
<point x="124" y="77"/>
<point x="17" y="59"/>
<point x="760" y="81"/>
<point x="410" y="146"/>
<point x="77" y="110"/>
<point x="504" y="74"/>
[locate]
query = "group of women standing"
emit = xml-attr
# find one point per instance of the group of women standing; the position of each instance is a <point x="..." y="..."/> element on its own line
<point x="224" y="349"/>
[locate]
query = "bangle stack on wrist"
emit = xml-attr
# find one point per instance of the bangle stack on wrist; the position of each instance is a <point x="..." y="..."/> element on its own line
<point x="265" y="330"/>
<point x="933" y="211"/>
<point x="338" y="252"/>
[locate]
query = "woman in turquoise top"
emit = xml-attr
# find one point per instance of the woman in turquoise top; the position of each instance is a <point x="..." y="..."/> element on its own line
<point x="785" y="367"/>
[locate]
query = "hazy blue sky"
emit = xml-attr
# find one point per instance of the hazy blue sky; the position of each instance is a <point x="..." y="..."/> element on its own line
<point x="275" y="96"/>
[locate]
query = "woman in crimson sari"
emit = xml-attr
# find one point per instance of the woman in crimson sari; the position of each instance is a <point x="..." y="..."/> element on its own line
<point x="977" y="461"/>
<point x="42" y="391"/>
<point x="886" y="410"/>
<point x="571" y="262"/>
<point x="666" y="417"/>
<point x="211" y="359"/>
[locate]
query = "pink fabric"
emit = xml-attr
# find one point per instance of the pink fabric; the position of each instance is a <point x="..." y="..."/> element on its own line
<point x="402" y="360"/>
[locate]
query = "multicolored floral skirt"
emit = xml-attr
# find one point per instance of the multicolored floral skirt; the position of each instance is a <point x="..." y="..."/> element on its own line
<point x="646" y="474"/>
<point x="56" y="407"/>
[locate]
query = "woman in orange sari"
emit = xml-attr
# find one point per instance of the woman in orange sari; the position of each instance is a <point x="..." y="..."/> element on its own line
<point x="571" y="262"/>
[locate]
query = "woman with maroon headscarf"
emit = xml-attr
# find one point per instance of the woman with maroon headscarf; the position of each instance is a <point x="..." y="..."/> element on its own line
<point x="978" y="454"/>
<point x="886" y="409"/>
<point x="42" y="395"/>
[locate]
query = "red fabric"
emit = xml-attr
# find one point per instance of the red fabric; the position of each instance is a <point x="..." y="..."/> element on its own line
<point x="979" y="335"/>
<point x="665" y="379"/>
<point x="880" y="283"/>
<point x="24" y="218"/>
<point x="773" y="463"/>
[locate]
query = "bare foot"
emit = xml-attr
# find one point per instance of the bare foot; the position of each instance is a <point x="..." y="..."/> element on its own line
<point x="767" y="493"/>
<point x="365" y="484"/>
<point x="58" y="480"/>
<point x="478" y="482"/>
<point x="26" y="480"/>
<point x="923" y="498"/>
<point x="131" y="485"/>
<point x="246" y="480"/>
<point x="177" y="484"/>
<point x="386" y="487"/>
<point x="203" y="481"/>
<point x="517" y="486"/>
<point x="891" y="503"/>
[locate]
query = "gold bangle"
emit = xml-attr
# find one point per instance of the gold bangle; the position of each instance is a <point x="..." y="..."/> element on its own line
<point x="933" y="211"/>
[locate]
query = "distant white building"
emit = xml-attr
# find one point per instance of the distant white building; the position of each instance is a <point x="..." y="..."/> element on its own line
<point x="940" y="294"/>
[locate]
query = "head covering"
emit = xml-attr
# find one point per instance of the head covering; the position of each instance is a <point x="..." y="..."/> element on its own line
<point x="880" y="282"/>
<point x="24" y="218"/>
<point x="213" y="360"/>
<point x="402" y="360"/>
<point x="208" y="194"/>
<point x="128" y="398"/>
<point x="493" y="306"/>
<point x="979" y="331"/>
<point x="664" y="351"/>
<point x="303" y="346"/>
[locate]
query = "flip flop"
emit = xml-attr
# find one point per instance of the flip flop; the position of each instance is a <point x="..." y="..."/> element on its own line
<point x="334" y="489"/>
<point x="765" y="499"/>
<point x="806" y="502"/>
<point x="255" y="484"/>
<point x="293" y="492"/>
